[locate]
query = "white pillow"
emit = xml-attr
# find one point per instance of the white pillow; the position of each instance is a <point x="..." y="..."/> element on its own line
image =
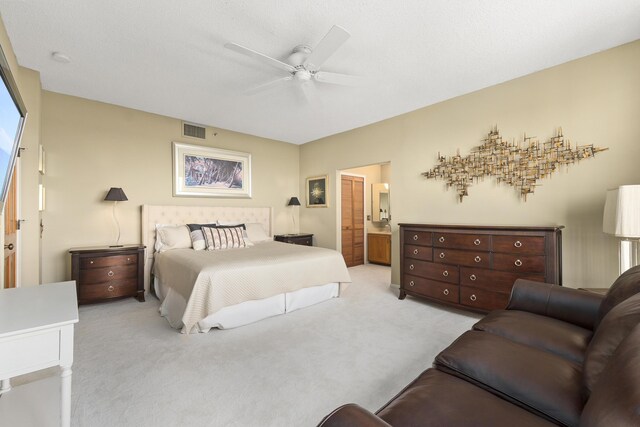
<point x="172" y="237"/>
<point x="256" y="233"/>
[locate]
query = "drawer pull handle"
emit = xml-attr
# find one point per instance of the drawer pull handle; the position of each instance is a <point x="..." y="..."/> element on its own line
<point x="445" y="273"/>
<point x="91" y="262"/>
<point x="415" y="252"/>
<point x="110" y="273"/>
<point x="411" y="283"/>
<point x="411" y="267"/>
<point x="446" y="292"/>
<point x="518" y="263"/>
<point x="415" y="237"/>
<point x="518" y="244"/>
<point x="476" y="242"/>
<point x="110" y="288"/>
<point x="473" y="297"/>
<point x="441" y="239"/>
<point x="473" y="277"/>
<point x="441" y="254"/>
<point x="477" y="259"/>
<point x="128" y="259"/>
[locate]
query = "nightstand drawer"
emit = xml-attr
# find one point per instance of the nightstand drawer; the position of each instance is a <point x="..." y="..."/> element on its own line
<point x="107" y="261"/>
<point x="106" y="274"/>
<point x="101" y="291"/>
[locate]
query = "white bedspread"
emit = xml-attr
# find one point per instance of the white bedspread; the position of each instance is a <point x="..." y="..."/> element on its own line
<point x="211" y="280"/>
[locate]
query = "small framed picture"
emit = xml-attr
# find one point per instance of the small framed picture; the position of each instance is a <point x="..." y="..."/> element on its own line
<point x="318" y="191"/>
<point x="210" y="172"/>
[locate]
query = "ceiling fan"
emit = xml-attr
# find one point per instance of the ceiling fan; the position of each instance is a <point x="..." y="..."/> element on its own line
<point x="303" y="65"/>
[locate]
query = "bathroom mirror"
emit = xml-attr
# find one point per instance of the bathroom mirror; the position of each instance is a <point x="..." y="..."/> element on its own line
<point x="380" y="203"/>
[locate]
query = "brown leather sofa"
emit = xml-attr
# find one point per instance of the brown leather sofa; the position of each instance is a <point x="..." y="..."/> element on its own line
<point x="555" y="356"/>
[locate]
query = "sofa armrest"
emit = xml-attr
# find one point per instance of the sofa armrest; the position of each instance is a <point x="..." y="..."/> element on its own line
<point x="352" y="415"/>
<point x="569" y="305"/>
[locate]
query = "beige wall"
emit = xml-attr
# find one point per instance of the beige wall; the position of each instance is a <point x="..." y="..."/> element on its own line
<point x="595" y="100"/>
<point x="28" y="82"/>
<point x="92" y="146"/>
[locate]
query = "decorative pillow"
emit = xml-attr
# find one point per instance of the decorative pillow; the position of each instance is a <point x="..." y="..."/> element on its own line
<point x="224" y="237"/>
<point x="172" y="237"/>
<point x="197" y="238"/>
<point x="256" y="233"/>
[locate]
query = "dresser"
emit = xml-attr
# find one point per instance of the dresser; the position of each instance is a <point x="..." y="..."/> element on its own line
<point x="103" y="272"/>
<point x="379" y="248"/>
<point x="296" y="239"/>
<point x="474" y="267"/>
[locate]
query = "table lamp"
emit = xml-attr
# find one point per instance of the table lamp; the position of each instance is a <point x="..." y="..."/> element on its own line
<point x="293" y="202"/>
<point x="116" y="195"/>
<point x="622" y="219"/>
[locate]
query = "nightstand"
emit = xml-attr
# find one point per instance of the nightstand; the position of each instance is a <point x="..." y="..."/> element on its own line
<point x="296" y="239"/>
<point x="103" y="272"/>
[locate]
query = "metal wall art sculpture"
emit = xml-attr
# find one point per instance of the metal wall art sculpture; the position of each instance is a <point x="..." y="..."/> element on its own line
<point x="515" y="164"/>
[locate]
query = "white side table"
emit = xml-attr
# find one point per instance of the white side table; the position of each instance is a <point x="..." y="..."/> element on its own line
<point x="36" y="332"/>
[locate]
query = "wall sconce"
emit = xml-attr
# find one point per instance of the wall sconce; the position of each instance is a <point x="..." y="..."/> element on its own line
<point x="294" y="202"/>
<point x="116" y="195"/>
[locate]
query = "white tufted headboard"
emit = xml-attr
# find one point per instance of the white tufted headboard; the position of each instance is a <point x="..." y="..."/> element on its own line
<point x="178" y="215"/>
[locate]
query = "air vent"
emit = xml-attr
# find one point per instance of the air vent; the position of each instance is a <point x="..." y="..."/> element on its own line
<point x="194" y="131"/>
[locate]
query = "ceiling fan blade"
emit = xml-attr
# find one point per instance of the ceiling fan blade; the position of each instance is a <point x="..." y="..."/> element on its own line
<point x="260" y="57"/>
<point x="327" y="46"/>
<point x="337" y="78"/>
<point x="266" y="86"/>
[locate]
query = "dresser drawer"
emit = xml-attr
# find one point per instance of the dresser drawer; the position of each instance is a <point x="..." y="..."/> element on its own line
<point x="106" y="274"/>
<point x="107" y="290"/>
<point x="519" y="263"/>
<point x="431" y="288"/>
<point x="418" y="252"/>
<point x="454" y="256"/>
<point x="108" y="261"/>
<point x="483" y="299"/>
<point x="499" y="281"/>
<point x="421" y="238"/>
<point x="528" y="245"/>
<point x="430" y="270"/>
<point x="481" y="242"/>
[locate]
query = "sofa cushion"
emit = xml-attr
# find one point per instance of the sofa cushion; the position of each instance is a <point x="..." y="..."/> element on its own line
<point x="542" y="332"/>
<point x="539" y="381"/>
<point x="615" y="399"/>
<point x="626" y="285"/>
<point x="613" y="328"/>
<point x="437" y="399"/>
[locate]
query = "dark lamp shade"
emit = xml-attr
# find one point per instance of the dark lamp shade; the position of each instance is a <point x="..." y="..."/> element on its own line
<point x="294" y="202"/>
<point x="116" y="195"/>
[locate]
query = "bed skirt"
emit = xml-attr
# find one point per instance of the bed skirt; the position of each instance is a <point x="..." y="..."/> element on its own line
<point x="173" y="306"/>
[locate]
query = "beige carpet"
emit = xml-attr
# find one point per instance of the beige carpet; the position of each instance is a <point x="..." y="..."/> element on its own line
<point x="131" y="369"/>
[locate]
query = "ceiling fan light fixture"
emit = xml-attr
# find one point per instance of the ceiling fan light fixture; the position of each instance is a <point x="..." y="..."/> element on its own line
<point x="302" y="75"/>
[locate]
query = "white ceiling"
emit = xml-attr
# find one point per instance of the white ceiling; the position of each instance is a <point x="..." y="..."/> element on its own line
<point x="168" y="56"/>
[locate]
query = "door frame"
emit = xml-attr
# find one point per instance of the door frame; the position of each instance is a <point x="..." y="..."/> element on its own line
<point x="338" y="193"/>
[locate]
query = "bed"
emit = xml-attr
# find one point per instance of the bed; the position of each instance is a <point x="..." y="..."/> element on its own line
<point x="204" y="289"/>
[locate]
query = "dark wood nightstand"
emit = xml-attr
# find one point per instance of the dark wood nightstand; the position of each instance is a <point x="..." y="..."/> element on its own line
<point x="103" y="272"/>
<point x="296" y="239"/>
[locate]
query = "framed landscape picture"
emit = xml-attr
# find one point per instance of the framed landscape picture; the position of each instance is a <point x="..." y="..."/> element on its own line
<point x="200" y="171"/>
<point x="318" y="191"/>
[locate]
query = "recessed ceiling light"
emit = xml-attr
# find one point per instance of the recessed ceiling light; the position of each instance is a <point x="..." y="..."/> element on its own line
<point x="60" y="57"/>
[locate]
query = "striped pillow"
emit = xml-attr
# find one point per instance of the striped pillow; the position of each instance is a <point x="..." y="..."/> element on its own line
<point x="217" y="238"/>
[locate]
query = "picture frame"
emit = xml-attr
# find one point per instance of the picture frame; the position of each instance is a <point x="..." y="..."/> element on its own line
<point x="318" y="191"/>
<point x="200" y="171"/>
